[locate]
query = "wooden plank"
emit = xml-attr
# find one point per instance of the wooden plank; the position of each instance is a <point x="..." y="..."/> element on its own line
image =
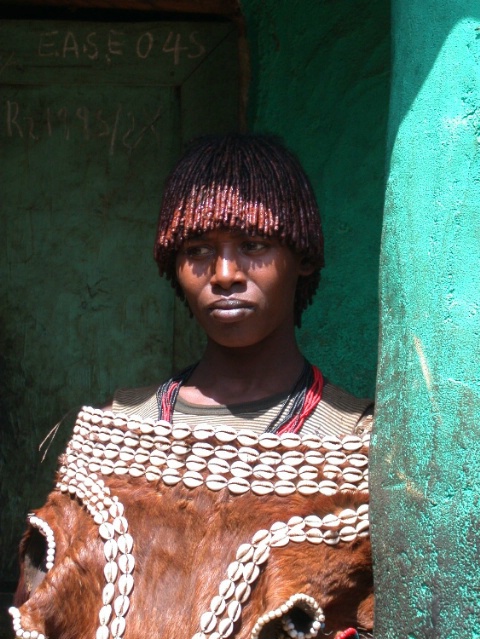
<point x="211" y="7"/>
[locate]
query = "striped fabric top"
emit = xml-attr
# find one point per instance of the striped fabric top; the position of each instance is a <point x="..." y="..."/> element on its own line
<point x="338" y="413"/>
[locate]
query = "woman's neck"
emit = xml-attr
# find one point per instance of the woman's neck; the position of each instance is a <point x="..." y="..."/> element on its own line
<point x="230" y="376"/>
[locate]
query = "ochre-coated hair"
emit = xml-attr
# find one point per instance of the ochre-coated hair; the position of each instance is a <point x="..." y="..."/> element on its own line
<point x="242" y="181"/>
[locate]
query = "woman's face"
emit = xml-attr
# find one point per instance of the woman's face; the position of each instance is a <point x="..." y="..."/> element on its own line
<point x="239" y="287"/>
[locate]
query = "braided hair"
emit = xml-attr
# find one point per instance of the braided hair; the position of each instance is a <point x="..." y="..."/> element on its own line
<point x="243" y="181"/>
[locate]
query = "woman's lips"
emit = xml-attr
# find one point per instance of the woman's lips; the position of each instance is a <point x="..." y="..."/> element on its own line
<point x="230" y="310"/>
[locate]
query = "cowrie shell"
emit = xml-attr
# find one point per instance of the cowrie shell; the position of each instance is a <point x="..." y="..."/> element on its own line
<point x="110" y="549"/>
<point x="218" y="466"/>
<point x="240" y="469"/>
<point x="106" y="467"/>
<point x="162" y="443"/>
<point x="311" y="441"/>
<point x="173" y="461"/>
<point x="234" y="610"/>
<point x="125" y="584"/>
<point x="181" y="431"/>
<point x="284" y="488"/>
<point x="286" y="472"/>
<point x="335" y="458"/>
<point x="358" y="460"/>
<point x="331" y="521"/>
<point x="247" y="437"/>
<point x="121" y="605"/>
<point x="147" y="427"/>
<point x="218" y="605"/>
<point x="158" y="458"/>
<point x="121" y="525"/>
<point x="238" y="485"/>
<point x="119" y="422"/>
<point x="208" y="621"/>
<point x="290" y="440"/>
<point x="142" y="456"/>
<point x="146" y="442"/>
<point x="314" y="536"/>
<point x="242" y="592"/>
<point x="270" y="458"/>
<point x="331" y="537"/>
<point x="352" y="475"/>
<point x="279" y="526"/>
<point x="226" y="588"/>
<point x="203" y="449"/>
<point x="248" y="455"/>
<point x="117" y="627"/>
<point x="136" y="470"/>
<point x="126" y="563"/>
<point x="192" y="479"/>
<point x="314" y="457"/>
<point x="307" y="487"/>
<point x="313" y="521"/>
<point x="296" y="521"/>
<point x="235" y="570"/>
<point x="94" y="467"/>
<point x="226" y="452"/>
<point x="268" y="440"/>
<point x="106" y="531"/>
<point x="110" y="571"/>
<point x="362" y="526"/>
<point x="225" y="434"/>
<point x="203" y="431"/>
<point x="215" y="482"/>
<point x="279" y="539"/>
<point x="348" y="516"/>
<point x="293" y="458"/>
<point x="261" y="487"/>
<point x="297" y="534"/>
<point x="196" y="463"/>
<point x="108" y="594"/>
<point x="162" y="428"/>
<point x="331" y="442"/>
<point x="347" y="533"/>
<point x="363" y="485"/>
<point x="250" y="572"/>
<point x="352" y="443"/>
<point x="263" y="471"/>
<point x="131" y="440"/>
<point x="225" y="627"/>
<point x="327" y="488"/>
<point x="126" y="454"/>
<point x="244" y="553"/>
<point x="348" y="486"/>
<point x="153" y="474"/>
<point x="102" y="633"/>
<point x="261" y="536"/>
<point x="261" y="554"/>
<point x="362" y="511"/>
<point x="125" y="543"/>
<point x="180" y="449"/>
<point x="330" y="471"/>
<point x="171" y="476"/>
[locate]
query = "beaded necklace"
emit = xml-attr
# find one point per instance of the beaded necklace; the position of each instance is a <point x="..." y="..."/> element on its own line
<point x="302" y="399"/>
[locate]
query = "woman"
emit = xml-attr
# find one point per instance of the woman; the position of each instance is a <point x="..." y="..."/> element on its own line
<point x="240" y="239"/>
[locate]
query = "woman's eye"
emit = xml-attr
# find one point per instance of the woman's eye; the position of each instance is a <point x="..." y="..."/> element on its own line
<point x="254" y="246"/>
<point x="197" y="251"/>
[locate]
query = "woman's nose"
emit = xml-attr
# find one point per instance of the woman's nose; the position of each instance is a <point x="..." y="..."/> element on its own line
<point x="226" y="271"/>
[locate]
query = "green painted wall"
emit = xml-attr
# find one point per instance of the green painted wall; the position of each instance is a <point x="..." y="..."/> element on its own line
<point x="425" y="469"/>
<point x="320" y="79"/>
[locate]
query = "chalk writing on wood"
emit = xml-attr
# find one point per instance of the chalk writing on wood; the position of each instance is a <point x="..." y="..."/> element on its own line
<point x="120" y="127"/>
<point x="115" y="43"/>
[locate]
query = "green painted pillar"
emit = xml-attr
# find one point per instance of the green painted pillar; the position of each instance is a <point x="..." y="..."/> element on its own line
<point x="426" y="454"/>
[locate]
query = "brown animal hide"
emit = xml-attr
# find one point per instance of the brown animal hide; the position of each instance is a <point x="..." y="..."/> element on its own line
<point x="148" y="556"/>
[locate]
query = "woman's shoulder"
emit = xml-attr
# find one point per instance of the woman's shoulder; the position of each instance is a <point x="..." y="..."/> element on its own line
<point x="136" y="401"/>
<point x="339" y="412"/>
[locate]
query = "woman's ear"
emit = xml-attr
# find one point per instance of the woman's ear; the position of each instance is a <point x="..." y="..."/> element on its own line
<point x="306" y="266"/>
